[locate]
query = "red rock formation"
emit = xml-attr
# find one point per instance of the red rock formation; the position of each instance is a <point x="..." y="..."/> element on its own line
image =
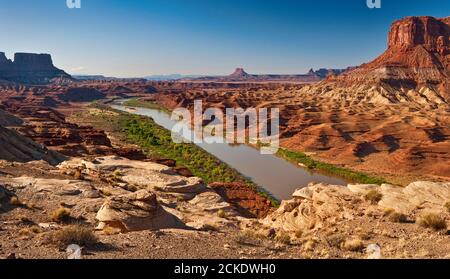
<point x="418" y="51"/>
<point x="244" y="199"/>
<point x="81" y="94"/>
<point x="411" y="32"/>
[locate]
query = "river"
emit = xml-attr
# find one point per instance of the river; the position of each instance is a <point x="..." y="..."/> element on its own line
<point x="276" y="175"/>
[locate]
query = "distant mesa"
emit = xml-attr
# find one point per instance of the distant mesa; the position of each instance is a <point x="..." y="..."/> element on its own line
<point x="240" y="75"/>
<point x="30" y="68"/>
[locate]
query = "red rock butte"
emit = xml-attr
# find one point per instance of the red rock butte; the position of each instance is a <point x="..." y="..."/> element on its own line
<point x="418" y="50"/>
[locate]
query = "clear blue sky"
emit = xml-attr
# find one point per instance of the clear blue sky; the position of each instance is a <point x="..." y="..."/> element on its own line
<point x="141" y="37"/>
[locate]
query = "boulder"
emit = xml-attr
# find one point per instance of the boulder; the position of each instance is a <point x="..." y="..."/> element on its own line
<point x="187" y="185"/>
<point x="135" y="212"/>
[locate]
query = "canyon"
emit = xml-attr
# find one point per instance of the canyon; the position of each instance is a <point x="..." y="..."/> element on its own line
<point x="386" y="116"/>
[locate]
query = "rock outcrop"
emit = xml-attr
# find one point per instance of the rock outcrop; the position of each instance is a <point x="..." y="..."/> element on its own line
<point x="17" y="148"/>
<point x="125" y="200"/>
<point x="162" y="197"/>
<point x="246" y="200"/>
<point x="320" y="206"/>
<point x="81" y="94"/>
<point x="49" y="127"/>
<point x="30" y="68"/>
<point x="135" y="212"/>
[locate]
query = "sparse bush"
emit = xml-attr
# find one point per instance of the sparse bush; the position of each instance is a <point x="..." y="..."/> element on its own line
<point x="15" y="201"/>
<point x="373" y="196"/>
<point x="299" y="234"/>
<point x="35" y="229"/>
<point x="78" y="175"/>
<point x="210" y="227"/>
<point x="335" y="240"/>
<point x="117" y="173"/>
<point x="353" y="245"/>
<point x="61" y="215"/>
<point x="396" y="217"/>
<point x="283" y="238"/>
<point x="111" y="231"/>
<point x="75" y="234"/>
<point x="388" y="212"/>
<point x="24" y="232"/>
<point x="310" y="245"/>
<point x="250" y="238"/>
<point x="221" y="213"/>
<point x="447" y="206"/>
<point x="432" y="221"/>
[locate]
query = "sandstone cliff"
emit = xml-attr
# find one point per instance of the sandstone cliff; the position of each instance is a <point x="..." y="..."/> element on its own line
<point x="414" y="68"/>
<point x="30" y="68"/>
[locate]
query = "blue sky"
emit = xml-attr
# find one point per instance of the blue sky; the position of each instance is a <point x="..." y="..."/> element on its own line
<point x="140" y="37"/>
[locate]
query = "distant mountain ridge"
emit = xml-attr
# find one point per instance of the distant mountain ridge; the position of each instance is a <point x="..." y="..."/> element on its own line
<point x="102" y="78"/>
<point x="171" y="77"/>
<point x="240" y="75"/>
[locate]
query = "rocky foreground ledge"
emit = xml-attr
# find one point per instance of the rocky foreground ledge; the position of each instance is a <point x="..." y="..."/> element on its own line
<point x="116" y="208"/>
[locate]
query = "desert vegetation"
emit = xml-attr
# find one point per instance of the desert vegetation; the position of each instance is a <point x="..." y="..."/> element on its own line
<point x="432" y="221"/>
<point x="75" y="234"/>
<point x="157" y="141"/>
<point x="308" y="162"/>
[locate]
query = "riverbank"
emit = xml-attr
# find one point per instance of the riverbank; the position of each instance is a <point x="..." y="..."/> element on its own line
<point x="350" y="175"/>
<point x="157" y="143"/>
<point x="144" y="104"/>
<point x="297" y="158"/>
